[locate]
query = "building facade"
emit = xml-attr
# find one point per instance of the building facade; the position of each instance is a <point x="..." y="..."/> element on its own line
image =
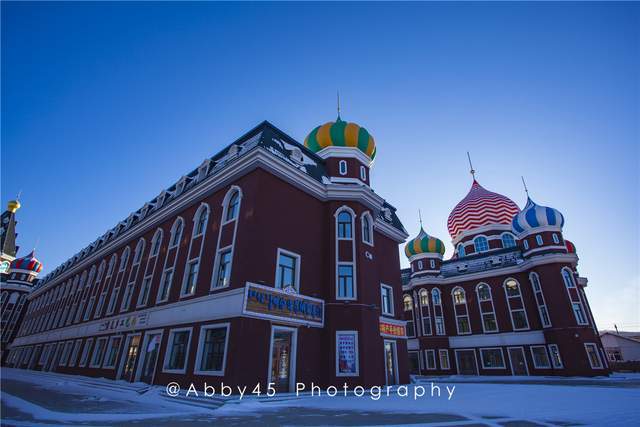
<point x="18" y="276"/>
<point x="273" y="262"/>
<point x="509" y="301"/>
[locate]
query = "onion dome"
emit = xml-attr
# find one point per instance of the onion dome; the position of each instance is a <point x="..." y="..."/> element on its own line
<point x="480" y="207"/>
<point x="29" y="262"/>
<point x="535" y="216"/>
<point x="571" y="248"/>
<point x="13" y="206"/>
<point x="424" y="244"/>
<point x="341" y="134"/>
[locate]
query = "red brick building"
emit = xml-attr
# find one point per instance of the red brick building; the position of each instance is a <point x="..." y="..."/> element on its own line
<point x="509" y="302"/>
<point x="272" y="262"/>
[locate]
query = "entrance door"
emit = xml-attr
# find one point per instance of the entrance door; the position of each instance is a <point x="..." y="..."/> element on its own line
<point x="133" y="345"/>
<point x="466" y="362"/>
<point x="391" y="362"/>
<point x="282" y="356"/>
<point x="150" y="357"/>
<point x="518" y="361"/>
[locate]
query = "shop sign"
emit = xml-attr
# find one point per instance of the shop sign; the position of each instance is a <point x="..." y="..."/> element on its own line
<point x="392" y="329"/>
<point x="124" y="322"/>
<point x="271" y="303"/>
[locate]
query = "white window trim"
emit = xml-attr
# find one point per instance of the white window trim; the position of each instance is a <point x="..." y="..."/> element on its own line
<point x="342" y="167"/>
<point x="196" y="219"/>
<point x="413" y="320"/>
<point x="172" y="234"/>
<point x="553" y="363"/>
<point x="525" y="244"/>
<point x="85" y="355"/>
<point x="424" y="317"/>
<point x="475" y="248"/>
<point x="515" y="241"/>
<point x="203" y="331"/>
<point x="143" y="353"/>
<point x="214" y="277"/>
<point x="66" y="353"/>
<point x="391" y="302"/>
<point x="167" y="351"/>
<point x="571" y="301"/>
<point x="98" y="364"/>
<point x="353" y="279"/>
<point x="466" y="309"/>
<point x="363" y="173"/>
<point x="394" y="344"/>
<point x="440" y="353"/>
<point x="504" y="365"/>
<point x="298" y="261"/>
<point x="544" y="302"/>
<point x="216" y="267"/>
<point x="539" y="240"/>
<point x="362" y="227"/>
<point x="426" y="360"/>
<point x="225" y="205"/>
<point x="555" y="238"/>
<point x="75" y="352"/>
<point x="475" y="357"/>
<point x="109" y="348"/>
<point x="162" y="279"/>
<point x="152" y="258"/>
<point x="493" y="309"/>
<point x="535" y="365"/>
<point x="353" y="222"/>
<point x="524" y="309"/>
<point x="204" y="207"/>
<point x="524" y="356"/>
<point x="420" y="265"/>
<point x="595" y="347"/>
<point x="357" y="346"/>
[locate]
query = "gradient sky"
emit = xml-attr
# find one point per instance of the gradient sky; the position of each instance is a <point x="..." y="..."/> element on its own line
<point x="106" y="104"/>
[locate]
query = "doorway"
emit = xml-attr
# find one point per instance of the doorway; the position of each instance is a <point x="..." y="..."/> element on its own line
<point x="391" y="362"/>
<point x="132" y="348"/>
<point x="518" y="361"/>
<point x="466" y="360"/>
<point x="282" y="359"/>
<point x="149" y="356"/>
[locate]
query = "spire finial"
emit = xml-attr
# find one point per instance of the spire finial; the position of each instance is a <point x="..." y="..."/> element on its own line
<point x="526" y="190"/>
<point x="471" y="170"/>
<point x="338" y="96"/>
<point x="420" y="217"/>
<point x="19" y="194"/>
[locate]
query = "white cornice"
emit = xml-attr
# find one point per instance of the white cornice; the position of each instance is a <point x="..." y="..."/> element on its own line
<point x="257" y="157"/>
<point x="424" y="255"/>
<point x="350" y="152"/>
<point x="526" y="265"/>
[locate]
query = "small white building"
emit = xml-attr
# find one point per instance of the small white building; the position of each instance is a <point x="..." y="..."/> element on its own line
<point x="621" y="348"/>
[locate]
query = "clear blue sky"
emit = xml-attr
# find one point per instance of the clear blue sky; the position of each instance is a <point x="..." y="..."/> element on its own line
<point x="106" y="104"/>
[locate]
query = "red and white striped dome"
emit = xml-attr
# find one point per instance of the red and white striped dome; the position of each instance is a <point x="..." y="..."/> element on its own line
<point x="480" y="207"/>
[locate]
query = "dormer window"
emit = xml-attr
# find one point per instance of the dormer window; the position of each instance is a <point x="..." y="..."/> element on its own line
<point x="363" y="173"/>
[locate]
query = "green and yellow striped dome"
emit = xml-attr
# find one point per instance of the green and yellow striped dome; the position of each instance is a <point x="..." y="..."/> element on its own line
<point x="341" y="134"/>
<point x="423" y="244"/>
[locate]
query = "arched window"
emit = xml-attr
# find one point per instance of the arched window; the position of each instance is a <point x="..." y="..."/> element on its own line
<point x="460" y="308"/>
<point x="344" y="225"/>
<point x="481" y="244"/>
<point x="156" y="242"/>
<point x="461" y="251"/>
<point x="435" y="296"/>
<point x="424" y="311"/>
<point x="508" y="241"/>
<point x="200" y="220"/>
<point x="539" y="240"/>
<point x="232" y="206"/>
<point x="574" y="297"/>
<point x="519" y="319"/>
<point x="342" y="167"/>
<point x="408" y="313"/>
<point x="367" y="228"/>
<point x="487" y="310"/>
<point x="137" y="253"/>
<point x="567" y="277"/>
<point x="539" y="297"/>
<point x="125" y="259"/>
<point x="176" y="233"/>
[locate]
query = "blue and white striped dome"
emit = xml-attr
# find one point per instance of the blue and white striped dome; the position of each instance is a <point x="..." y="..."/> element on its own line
<point x="535" y="216"/>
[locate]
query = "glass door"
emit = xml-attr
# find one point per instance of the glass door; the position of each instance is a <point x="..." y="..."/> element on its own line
<point x="130" y="357"/>
<point x="150" y="357"/>
<point x="281" y="349"/>
<point x="390" y="360"/>
<point x="518" y="362"/>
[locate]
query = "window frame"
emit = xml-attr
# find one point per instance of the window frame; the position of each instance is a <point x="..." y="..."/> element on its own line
<point x="447" y="358"/>
<point x="431" y="352"/>
<point x="512" y="310"/>
<point x="482" y="361"/>
<point x="466" y="309"/>
<point x="353" y="282"/>
<point x="483" y="239"/>
<point x="199" y="353"/>
<point x="597" y="352"/>
<point x="502" y="240"/>
<point x="560" y="364"/>
<point x="167" y="351"/>
<point x="483" y="312"/>
<point x="384" y="312"/>
<point x="218" y="264"/>
<point x="296" y="268"/>
<point x="351" y="213"/>
<point x="75" y="352"/>
<point x="108" y="352"/>
<point x="533" y="357"/>
<point x="337" y="356"/>
<point x="366" y="225"/>
<point x="97" y="364"/>
<point x="342" y="167"/>
<point x="539" y="240"/>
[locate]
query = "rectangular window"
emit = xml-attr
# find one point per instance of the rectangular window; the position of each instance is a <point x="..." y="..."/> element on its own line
<point x="191" y="278"/>
<point x="74" y="353"/>
<point x="85" y="353"/>
<point x="345" y="281"/>
<point x="431" y="359"/>
<point x="579" y="313"/>
<point x="98" y="353"/>
<point x="492" y="358"/>
<point x="439" y="322"/>
<point x="144" y="291"/>
<point x="112" y="353"/>
<point x="347" y="354"/>
<point x="65" y="354"/>
<point x="175" y="359"/>
<point x="444" y="359"/>
<point x="556" y="360"/>
<point x="463" y="325"/>
<point x="287" y="270"/>
<point x="165" y="287"/>
<point x="594" y="357"/>
<point x="212" y="349"/>
<point x="540" y="357"/>
<point x="223" y="276"/>
<point x="386" y="295"/>
<point x="87" y="313"/>
<point x="489" y="322"/>
<point x="519" y="318"/>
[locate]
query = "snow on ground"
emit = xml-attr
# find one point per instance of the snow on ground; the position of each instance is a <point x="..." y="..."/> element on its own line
<point x="29" y="396"/>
